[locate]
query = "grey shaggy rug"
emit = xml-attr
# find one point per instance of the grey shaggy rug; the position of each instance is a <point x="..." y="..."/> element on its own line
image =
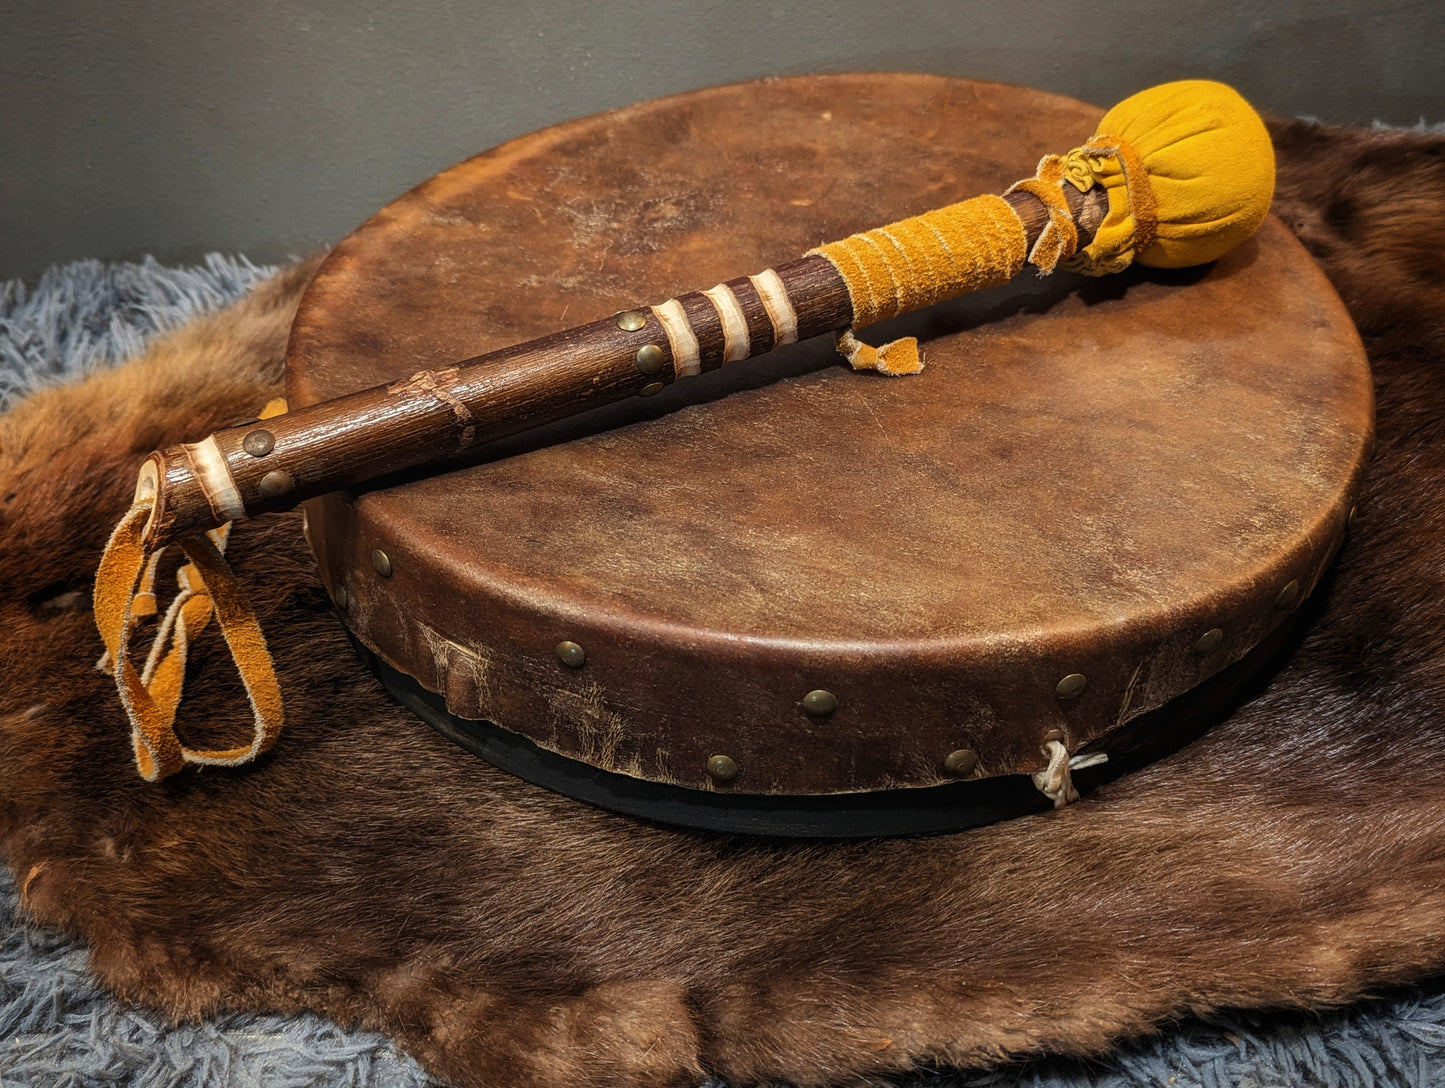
<point x="58" y="1028"/>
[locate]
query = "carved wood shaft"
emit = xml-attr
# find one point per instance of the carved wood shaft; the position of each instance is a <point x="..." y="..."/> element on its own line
<point x="437" y="414"/>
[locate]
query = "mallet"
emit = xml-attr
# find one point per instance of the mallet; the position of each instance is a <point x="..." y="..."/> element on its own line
<point x="1176" y="176"/>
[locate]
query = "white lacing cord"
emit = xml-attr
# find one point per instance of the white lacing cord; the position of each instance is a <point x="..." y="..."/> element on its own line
<point x="1056" y="781"/>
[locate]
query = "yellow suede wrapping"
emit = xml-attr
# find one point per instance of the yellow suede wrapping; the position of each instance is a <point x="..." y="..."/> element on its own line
<point x="923" y="260"/>
<point x="1189" y="172"/>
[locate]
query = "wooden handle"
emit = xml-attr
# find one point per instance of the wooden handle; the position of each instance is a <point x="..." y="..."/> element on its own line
<point x="437" y="414"/>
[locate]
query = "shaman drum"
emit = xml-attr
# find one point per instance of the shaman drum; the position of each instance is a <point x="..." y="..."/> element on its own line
<point x="791" y="598"/>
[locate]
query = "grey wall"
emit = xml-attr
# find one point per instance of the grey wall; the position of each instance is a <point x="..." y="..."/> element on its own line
<point x="272" y="127"/>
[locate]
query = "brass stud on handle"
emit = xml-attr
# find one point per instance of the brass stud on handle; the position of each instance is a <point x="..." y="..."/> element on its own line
<point x="820" y="703"/>
<point x="722" y="768"/>
<point x="630" y="321"/>
<point x="1071" y="686"/>
<point x="650" y="358"/>
<point x="275" y="484"/>
<point x="650" y="389"/>
<point x="259" y="443"/>
<point x="1208" y="642"/>
<point x="570" y="654"/>
<point x="961" y="763"/>
<point x="381" y="562"/>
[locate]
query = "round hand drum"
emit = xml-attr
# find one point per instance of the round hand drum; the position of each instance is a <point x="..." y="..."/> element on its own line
<point x="788" y="598"/>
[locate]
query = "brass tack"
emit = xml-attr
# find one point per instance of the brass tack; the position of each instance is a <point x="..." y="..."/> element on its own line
<point x="630" y="321"/>
<point x="275" y="484"/>
<point x="382" y="562"/>
<point x="259" y="443"/>
<point x="820" y="703"/>
<point x="342" y="598"/>
<point x="1288" y="596"/>
<point x="650" y="358"/>
<point x="722" y="768"/>
<point x="961" y="763"/>
<point x="649" y="389"/>
<point x="1208" y="642"/>
<point x="1071" y="686"/>
<point x="571" y="655"/>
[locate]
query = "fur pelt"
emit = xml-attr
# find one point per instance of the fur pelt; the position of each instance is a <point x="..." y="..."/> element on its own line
<point x="370" y="870"/>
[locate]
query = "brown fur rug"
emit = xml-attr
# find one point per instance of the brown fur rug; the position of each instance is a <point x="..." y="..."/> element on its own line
<point x="370" y="870"/>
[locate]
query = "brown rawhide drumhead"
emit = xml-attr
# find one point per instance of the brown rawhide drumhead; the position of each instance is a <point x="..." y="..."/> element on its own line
<point x="786" y="580"/>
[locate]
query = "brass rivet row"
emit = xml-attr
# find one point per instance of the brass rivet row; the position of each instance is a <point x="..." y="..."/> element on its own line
<point x="650" y="358"/>
<point x="381" y="563"/>
<point x="570" y="654"/>
<point x="276" y="484"/>
<point x="630" y="321"/>
<point x="1071" y="686"/>
<point x="820" y="703"/>
<point x="722" y="768"/>
<point x="259" y="443"/>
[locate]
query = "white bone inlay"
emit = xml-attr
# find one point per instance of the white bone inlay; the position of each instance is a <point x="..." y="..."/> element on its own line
<point x="774" y="294"/>
<point x="215" y="479"/>
<point x="686" y="357"/>
<point x="736" y="343"/>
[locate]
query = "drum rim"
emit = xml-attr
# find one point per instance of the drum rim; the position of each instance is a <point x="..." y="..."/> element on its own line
<point x="867" y="814"/>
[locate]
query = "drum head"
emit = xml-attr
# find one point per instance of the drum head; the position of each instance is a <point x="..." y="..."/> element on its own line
<point x="1097" y="495"/>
